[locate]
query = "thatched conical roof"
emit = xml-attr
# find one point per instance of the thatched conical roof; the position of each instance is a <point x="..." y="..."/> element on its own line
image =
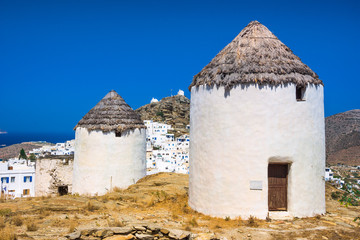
<point x="256" y="55"/>
<point x="112" y="113"/>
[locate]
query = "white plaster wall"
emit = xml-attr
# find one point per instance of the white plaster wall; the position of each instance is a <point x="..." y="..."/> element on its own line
<point x="52" y="173"/>
<point x="103" y="161"/>
<point x="235" y="135"/>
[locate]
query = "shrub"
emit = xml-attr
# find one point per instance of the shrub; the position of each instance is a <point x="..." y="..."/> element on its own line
<point x="252" y="222"/>
<point x="31" y="227"/>
<point x="17" y="221"/>
<point x="193" y="222"/>
<point x="357" y="219"/>
<point x="116" y="223"/>
<point x="227" y="218"/>
<point x="91" y="207"/>
<point x="5" y="212"/>
<point x="161" y="114"/>
<point x="348" y="199"/>
<point x="335" y="195"/>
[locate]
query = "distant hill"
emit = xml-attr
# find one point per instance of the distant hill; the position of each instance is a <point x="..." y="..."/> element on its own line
<point x="14" y="150"/>
<point x="343" y="138"/>
<point x="173" y="110"/>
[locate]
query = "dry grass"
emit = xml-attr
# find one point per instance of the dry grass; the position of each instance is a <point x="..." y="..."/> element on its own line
<point x="43" y="213"/>
<point x="161" y="199"/>
<point x="7" y="234"/>
<point x="73" y="225"/>
<point x="2" y="222"/>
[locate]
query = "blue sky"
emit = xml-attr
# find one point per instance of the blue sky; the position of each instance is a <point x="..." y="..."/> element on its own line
<point x="59" y="58"/>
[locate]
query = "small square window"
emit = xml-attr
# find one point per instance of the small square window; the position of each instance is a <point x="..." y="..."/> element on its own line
<point x="12" y="179"/>
<point x="300" y="93"/>
<point x="4" y="180"/>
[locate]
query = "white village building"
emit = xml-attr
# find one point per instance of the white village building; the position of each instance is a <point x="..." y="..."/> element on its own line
<point x="329" y="175"/>
<point x="257" y="132"/>
<point x="59" y="149"/>
<point x="157" y="133"/>
<point x="17" y="178"/>
<point x="110" y="147"/>
<point x="164" y="153"/>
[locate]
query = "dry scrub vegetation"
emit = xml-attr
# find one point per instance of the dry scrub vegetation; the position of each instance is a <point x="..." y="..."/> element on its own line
<point x="161" y="199"/>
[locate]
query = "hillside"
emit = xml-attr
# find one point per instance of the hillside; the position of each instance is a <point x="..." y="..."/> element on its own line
<point x="14" y="150"/>
<point x="173" y="110"/>
<point x="343" y="138"/>
<point x="160" y="202"/>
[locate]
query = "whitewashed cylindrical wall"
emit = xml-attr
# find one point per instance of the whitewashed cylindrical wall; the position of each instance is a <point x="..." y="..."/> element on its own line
<point x="236" y="134"/>
<point x="103" y="161"/>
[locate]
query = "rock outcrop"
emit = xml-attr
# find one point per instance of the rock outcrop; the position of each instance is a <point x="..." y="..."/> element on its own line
<point x="173" y="110"/>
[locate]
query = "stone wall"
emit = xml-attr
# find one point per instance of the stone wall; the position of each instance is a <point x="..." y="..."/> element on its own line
<point x="51" y="173"/>
<point x="143" y="232"/>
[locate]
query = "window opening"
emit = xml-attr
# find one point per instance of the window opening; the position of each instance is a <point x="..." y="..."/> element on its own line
<point x="300" y="93"/>
<point x="63" y="190"/>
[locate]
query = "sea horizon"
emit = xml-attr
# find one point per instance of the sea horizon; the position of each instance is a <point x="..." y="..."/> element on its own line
<point x="11" y="138"/>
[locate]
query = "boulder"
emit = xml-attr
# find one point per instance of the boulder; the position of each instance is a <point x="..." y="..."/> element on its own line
<point x="178" y="234"/>
<point x="74" y="235"/>
<point x="121" y="230"/>
<point x="140" y="228"/>
<point x="121" y="237"/>
<point x="164" y="231"/>
<point x="144" y="236"/>
<point x="87" y="232"/>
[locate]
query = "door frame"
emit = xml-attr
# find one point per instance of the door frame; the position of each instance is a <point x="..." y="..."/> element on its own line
<point x="287" y="185"/>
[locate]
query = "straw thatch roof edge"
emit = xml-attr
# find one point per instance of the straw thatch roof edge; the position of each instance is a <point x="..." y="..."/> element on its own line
<point x="255" y="56"/>
<point x="112" y="113"/>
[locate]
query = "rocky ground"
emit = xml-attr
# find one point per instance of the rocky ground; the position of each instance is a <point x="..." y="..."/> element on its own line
<point x="155" y="203"/>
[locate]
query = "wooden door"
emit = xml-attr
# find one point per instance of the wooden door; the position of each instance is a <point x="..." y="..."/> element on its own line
<point x="277" y="181"/>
